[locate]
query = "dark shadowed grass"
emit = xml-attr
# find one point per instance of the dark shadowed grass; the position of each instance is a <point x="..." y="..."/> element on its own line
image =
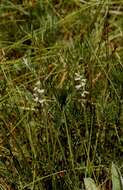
<point x="61" y="88"/>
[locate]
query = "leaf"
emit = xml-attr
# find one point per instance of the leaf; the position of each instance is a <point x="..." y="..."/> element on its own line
<point x="117" y="180"/>
<point x="90" y="184"/>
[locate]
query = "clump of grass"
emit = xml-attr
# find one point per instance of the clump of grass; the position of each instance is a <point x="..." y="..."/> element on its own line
<point x="60" y="92"/>
<point x="116" y="181"/>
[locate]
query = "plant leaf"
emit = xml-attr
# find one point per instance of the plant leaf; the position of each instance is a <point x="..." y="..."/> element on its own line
<point x="90" y="184"/>
<point x="117" y="180"/>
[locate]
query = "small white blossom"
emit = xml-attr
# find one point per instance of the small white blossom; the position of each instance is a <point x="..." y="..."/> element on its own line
<point x="80" y="85"/>
<point x="36" y="99"/>
<point x="35" y="89"/>
<point x="84" y="94"/>
<point x="38" y="83"/>
<point x="42" y="101"/>
<point x="84" y="80"/>
<point x="83" y="84"/>
<point x="78" y="77"/>
<point x="39" y="93"/>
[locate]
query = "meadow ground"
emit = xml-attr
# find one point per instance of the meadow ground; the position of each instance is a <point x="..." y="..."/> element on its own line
<point x="61" y="93"/>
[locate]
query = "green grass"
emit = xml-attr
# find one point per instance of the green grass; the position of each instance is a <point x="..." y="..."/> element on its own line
<point x="68" y="126"/>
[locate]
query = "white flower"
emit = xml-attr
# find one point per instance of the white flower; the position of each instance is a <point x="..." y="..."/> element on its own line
<point x="84" y="80"/>
<point x="42" y="101"/>
<point x="78" y="86"/>
<point x="78" y="77"/>
<point x="84" y="93"/>
<point x="35" y="89"/>
<point x="36" y="99"/>
<point x="83" y="84"/>
<point x="38" y="83"/>
<point x="39" y="93"/>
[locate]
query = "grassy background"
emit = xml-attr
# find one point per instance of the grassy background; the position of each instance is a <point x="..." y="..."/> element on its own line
<point x="55" y="144"/>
